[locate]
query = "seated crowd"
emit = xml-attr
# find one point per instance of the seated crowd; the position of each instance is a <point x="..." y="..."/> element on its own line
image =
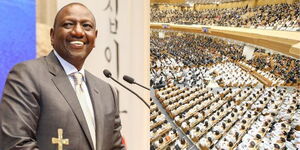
<point x="274" y="17"/>
<point x="195" y="60"/>
<point x="277" y="67"/>
<point x="162" y="135"/>
<point x="241" y="118"/>
<point x="239" y="113"/>
<point x="232" y="75"/>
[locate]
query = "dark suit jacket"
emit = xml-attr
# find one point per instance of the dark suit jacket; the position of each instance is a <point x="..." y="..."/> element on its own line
<point x="38" y="99"/>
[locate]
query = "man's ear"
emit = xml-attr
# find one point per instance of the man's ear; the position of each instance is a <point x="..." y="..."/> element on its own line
<point x="96" y="33"/>
<point x="52" y="36"/>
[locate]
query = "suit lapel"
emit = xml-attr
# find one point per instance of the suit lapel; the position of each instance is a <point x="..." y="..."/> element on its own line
<point x="96" y="93"/>
<point x="64" y="86"/>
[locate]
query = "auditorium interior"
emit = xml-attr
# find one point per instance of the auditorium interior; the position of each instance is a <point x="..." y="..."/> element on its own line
<point x="225" y="74"/>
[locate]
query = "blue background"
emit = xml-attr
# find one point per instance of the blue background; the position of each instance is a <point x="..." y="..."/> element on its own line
<point x="17" y="34"/>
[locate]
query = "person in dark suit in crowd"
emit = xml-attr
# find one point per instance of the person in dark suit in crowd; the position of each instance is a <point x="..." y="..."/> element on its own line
<point x="52" y="102"/>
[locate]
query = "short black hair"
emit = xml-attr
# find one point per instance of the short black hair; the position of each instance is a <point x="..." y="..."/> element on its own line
<point x="68" y="5"/>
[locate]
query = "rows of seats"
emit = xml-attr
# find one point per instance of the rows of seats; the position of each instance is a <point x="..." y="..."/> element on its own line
<point x="162" y="134"/>
<point x="240" y="112"/>
<point x="241" y="118"/>
<point x="219" y="127"/>
<point x="237" y="131"/>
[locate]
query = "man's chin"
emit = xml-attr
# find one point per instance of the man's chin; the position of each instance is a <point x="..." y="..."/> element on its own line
<point x="77" y="51"/>
<point x="80" y="55"/>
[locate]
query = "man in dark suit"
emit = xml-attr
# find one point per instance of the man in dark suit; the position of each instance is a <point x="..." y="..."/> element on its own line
<point x="52" y="102"/>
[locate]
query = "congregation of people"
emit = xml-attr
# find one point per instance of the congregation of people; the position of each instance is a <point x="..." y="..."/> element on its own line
<point x="195" y="60"/>
<point x="241" y="115"/>
<point x="273" y="17"/>
<point x="162" y="135"/>
<point x="277" y="65"/>
<point x="240" y="118"/>
<point x="214" y="94"/>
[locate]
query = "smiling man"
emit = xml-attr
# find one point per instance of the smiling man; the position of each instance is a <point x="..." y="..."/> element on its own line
<point x="74" y="33"/>
<point x="52" y="102"/>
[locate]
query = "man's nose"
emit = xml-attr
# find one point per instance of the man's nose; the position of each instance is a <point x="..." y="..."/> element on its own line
<point x="78" y="31"/>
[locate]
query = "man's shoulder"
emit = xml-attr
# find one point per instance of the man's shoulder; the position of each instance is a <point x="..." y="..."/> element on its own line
<point x="30" y="65"/>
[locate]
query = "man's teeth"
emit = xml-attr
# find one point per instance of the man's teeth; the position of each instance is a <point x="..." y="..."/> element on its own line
<point x="77" y="42"/>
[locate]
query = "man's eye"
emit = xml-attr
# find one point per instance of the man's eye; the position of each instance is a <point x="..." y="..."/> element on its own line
<point x="87" y="26"/>
<point x="68" y="25"/>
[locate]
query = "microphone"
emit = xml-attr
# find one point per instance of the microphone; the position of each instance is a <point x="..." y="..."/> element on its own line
<point x="128" y="79"/>
<point x="131" y="81"/>
<point x="107" y="74"/>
